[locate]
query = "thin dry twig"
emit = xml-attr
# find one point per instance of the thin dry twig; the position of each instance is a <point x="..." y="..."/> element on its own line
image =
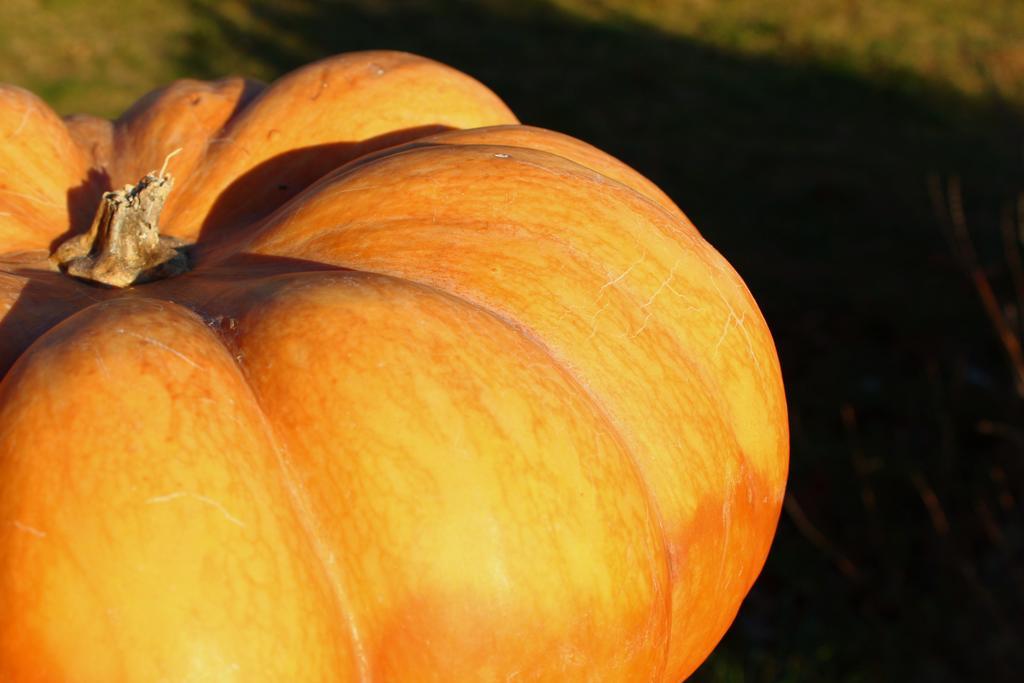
<point x="963" y="246"/>
<point x="989" y="524"/>
<point x="1012" y="238"/>
<point x="1005" y="497"/>
<point x="1014" y="435"/>
<point x="940" y="522"/>
<point x="863" y="467"/>
<point x="819" y="540"/>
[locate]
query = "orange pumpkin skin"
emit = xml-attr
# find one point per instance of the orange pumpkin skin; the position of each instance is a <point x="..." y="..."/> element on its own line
<point x="481" y="406"/>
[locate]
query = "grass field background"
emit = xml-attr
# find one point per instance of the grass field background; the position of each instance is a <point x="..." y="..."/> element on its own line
<point x="817" y="144"/>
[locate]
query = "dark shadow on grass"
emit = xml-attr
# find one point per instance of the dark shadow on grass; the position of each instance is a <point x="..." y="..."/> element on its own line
<point x="813" y="183"/>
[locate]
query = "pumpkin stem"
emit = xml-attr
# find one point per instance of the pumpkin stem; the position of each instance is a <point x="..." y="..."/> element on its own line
<point x="124" y="246"/>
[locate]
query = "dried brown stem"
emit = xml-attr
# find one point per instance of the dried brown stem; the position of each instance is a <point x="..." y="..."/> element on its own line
<point x="124" y="246"/>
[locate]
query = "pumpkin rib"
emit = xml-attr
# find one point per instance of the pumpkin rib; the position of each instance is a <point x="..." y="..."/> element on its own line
<point x="598" y="406"/>
<point x="279" y="217"/>
<point x="300" y="233"/>
<point x="710" y="381"/>
<point x="297" y="495"/>
<point x="267" y="238"/>
<point x="563" y="146"/>
<point x="213" y="478"/>
<point x="520" y="136"/>
<point x="672" y="224"/>
<point x="662" y="590"/>
<point x="588" y="397"/>
<point x="41" y="169"/>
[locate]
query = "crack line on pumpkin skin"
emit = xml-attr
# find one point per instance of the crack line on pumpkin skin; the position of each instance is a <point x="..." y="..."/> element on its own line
<point x="31" y="530"/>
<point x="30" y="109"/>
<point x="646" y="306"/>
<point x="620" y="278"/>
<point x="99" y="361"/>
<point x="739" y="319"/>
<point x="165" y="347"/>
<point x="176" y="495"/>
<point x="593" y="320"/>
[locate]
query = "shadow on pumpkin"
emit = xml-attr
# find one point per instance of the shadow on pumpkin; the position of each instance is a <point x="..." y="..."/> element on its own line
<point x="50" y="297"/>
<point x="47" y="298"/>
<point x="82" y="201"/>
<point x="273" y="183"/>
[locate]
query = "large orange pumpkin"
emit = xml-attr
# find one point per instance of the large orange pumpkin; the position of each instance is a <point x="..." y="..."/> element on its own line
<point x="480" y="406"/>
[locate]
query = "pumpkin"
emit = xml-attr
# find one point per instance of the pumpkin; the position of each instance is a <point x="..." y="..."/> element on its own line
<point x="414" y="393"/>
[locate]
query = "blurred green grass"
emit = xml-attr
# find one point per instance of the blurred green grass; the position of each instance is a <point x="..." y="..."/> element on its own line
<point x="802" y="137"/>
<point x="97" y="57"/>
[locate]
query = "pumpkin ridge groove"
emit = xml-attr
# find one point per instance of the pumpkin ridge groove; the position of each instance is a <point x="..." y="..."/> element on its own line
<point x="310" y="528"/>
